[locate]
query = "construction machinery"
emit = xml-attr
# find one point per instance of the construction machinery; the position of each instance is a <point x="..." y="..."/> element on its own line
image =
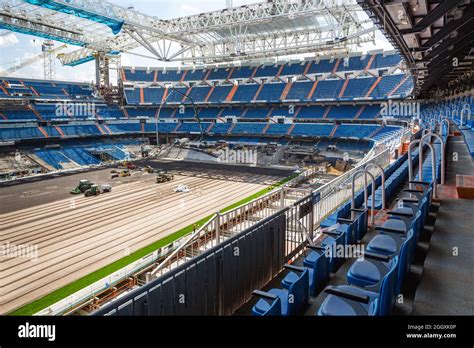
<point x="83" y="186"/>
<point x="163" y="176"/>
<point x="123" y="173"/>
<point x="149" y="169"/>
<point x="96" y="190"/>
<point x="127" y="165"/>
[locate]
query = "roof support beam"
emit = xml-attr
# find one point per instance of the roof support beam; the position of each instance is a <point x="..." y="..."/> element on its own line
<point x="432" y="16"/>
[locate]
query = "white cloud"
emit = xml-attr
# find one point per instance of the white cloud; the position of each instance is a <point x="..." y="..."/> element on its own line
<point x="8" y="40"/>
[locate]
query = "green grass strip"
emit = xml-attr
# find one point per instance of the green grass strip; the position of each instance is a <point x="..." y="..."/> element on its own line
<point x="81" y="283"/>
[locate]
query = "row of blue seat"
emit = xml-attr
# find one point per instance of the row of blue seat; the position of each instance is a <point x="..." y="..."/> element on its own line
<point x="375" y="280"/>
<point x="28" y="131"/>
<point x="273" y="92"/>
<point x="343" y="112"/>
<point x="356" y="63"/>
<point x="45" y="89"/>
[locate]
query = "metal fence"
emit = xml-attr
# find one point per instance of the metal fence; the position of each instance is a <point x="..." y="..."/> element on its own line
<point x="217" y="282"/>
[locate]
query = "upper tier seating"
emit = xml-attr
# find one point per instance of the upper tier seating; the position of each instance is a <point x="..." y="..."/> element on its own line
<point x="324" y="65"/>
<point x="23" y="132"/>
<point x="311" y="129"/>
<point x="37" y="89"/>
<point x="355" y="130"/>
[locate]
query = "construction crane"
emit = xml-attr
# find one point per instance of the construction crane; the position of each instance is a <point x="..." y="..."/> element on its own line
<point x="47" y="54"/>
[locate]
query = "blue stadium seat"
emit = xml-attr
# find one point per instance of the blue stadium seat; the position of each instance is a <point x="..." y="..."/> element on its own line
<point x="350" y="300"/>
<point x="293" y="299"/>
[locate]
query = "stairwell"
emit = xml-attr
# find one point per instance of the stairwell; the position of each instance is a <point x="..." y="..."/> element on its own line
<point x="108" y="129"/>
<point x="184" y="76"/>
<point x="286" y="90"/>
<point x="231" y="128"/>
<point x="405" y="146"/>
<point x="60" y="131"/>
<point x="376" y="132"/>
<point x="336" y="66"/>
<point x="209" y="94"/>
<point x="125" y="112"/>
<point x="343" y="89"/>
<point x="35" y="91"/>
<point x="373" y="86"/>
<point x="165" y="95"/>
<point x="258" y="92"/>
<point x="291" y="129"/>
<point x="369" y="63"/>
<point x="334" y="130"/>
<point x="33" y="109"/>
<point x="254" y="72"/>
<point x="142" y="96"/>
<point x="327" y="112"/>
<point x="100" y="129"/>
<point x="208" y="130"/>
<point x="230" y="73"/>
<point x="266" y="128"/>
<point x="313" y="88"/>
<point x="306" y="69"/>
<point x="280" y="70"/>
<point x="232" y="93"/>
<point x="186" y="94"/>
<point x="361" y="110"/>
<point x="4" y="90"/>
<point x="41" y="129"/>
<point x="208" y="72"/>
<point x="398" y="86"/>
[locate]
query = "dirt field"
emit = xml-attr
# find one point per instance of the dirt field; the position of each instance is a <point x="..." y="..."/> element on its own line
<point x="77" y="235"/>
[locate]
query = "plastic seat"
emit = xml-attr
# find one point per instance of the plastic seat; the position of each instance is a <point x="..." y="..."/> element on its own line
<point x="290" y="305"/>
<point x="369" y="271"/>
<point x="318" y="275"/>
<point x="351" y="300"/>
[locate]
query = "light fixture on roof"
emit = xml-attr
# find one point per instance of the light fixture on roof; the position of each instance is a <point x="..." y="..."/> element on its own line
<point x="416" y="6"/>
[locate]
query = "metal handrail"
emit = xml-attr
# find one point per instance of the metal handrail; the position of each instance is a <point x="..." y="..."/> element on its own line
<point x="383" y="180"/>
<point x="443" y="154"/>
<point x="365" y="172"/>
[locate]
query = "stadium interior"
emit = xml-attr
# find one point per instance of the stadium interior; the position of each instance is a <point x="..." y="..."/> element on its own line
<point x="274" y="160"/>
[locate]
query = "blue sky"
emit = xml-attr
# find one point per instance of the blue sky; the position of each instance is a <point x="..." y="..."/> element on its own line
<point x="17" y="47"/>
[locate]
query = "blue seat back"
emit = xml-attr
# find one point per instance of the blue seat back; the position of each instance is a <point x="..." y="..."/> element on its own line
<point x="405" y="259"/>
<point x="320" y="273"/>
<point x="362" y="222"/>
<point x="387" y="289"/>
<point x="298" y="293"/>
<point x="333" y="260"/>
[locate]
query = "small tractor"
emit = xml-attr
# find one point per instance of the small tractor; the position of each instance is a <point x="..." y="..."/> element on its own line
<point x="122" y="173"/>
<point x="163" y="176"/>
<point x="83" y="186"/>
<point x="96" y="190"/>
<point x="149" y="170"/>
<point x="127" y="165"/>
